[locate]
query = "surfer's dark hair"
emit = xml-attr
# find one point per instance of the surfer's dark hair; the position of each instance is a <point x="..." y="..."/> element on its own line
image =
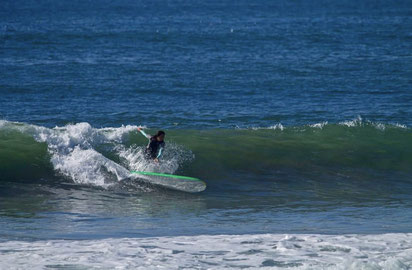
<point x="159" y="133"/>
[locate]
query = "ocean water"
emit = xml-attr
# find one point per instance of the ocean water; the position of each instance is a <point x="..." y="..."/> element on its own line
<point x="297" y="115"/>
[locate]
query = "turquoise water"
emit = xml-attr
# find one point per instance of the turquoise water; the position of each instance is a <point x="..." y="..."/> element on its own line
<point x="296" y="114"/>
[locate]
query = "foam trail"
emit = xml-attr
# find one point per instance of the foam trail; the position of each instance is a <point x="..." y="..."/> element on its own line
<point x="268" y="251"/>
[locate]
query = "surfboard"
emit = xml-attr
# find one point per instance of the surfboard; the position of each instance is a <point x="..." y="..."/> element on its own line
<point x="172" y="181"/>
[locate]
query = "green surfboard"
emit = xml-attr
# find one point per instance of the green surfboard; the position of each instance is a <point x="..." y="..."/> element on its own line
<point x="171" y="181"/>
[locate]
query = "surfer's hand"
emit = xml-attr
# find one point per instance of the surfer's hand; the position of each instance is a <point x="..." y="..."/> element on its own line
<point x="139" y="128"/>
<point x="156" y="160"/>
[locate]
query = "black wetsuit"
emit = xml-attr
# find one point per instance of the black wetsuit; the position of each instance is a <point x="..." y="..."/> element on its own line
<point x="151" y="151"/>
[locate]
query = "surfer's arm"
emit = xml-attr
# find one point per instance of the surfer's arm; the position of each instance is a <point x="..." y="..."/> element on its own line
<point x="143" y="133"/>
<point x="160" y="153"/>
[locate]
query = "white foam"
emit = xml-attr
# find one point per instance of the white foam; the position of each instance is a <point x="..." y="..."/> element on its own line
<point x="271" y="251"/>
<point x="89" y="167"/>
<point x="277" y="126"/>
<point x="319" y="125"/>
<point x="358" y="122"/>
<point x="379" y="126"/>
<point x="73" y="153"/>
<point x="352" y="123"/>
<point x="118" y="134"/>
<point x="400" y="126"/>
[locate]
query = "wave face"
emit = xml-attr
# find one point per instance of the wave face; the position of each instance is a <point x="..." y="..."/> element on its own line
<point x="104" y="156"/>
<point x="351" y="145"/>
<point x="273" y="251"/>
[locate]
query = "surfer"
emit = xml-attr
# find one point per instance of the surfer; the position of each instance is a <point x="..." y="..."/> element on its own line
<point x="156" y="145"/>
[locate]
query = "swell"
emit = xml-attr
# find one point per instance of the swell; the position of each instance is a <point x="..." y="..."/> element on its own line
<point x="103" y="156"/>
<point x="350" y="145"/>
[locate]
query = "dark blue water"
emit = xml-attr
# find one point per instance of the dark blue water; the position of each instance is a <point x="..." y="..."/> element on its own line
<point x="209" y="73"/>
<point x="205" y="64"/>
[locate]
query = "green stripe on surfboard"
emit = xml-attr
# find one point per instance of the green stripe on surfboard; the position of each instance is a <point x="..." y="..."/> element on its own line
<point x="168" y="175"/>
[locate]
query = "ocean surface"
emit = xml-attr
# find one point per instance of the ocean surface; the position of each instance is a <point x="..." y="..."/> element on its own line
<point x="297" y="115"/>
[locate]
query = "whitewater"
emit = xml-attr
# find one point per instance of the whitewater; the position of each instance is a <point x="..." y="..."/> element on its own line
<point x="270" y="251"/>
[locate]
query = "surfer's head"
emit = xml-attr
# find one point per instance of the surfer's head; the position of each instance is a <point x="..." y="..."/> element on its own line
<point x="160" y="136"/>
